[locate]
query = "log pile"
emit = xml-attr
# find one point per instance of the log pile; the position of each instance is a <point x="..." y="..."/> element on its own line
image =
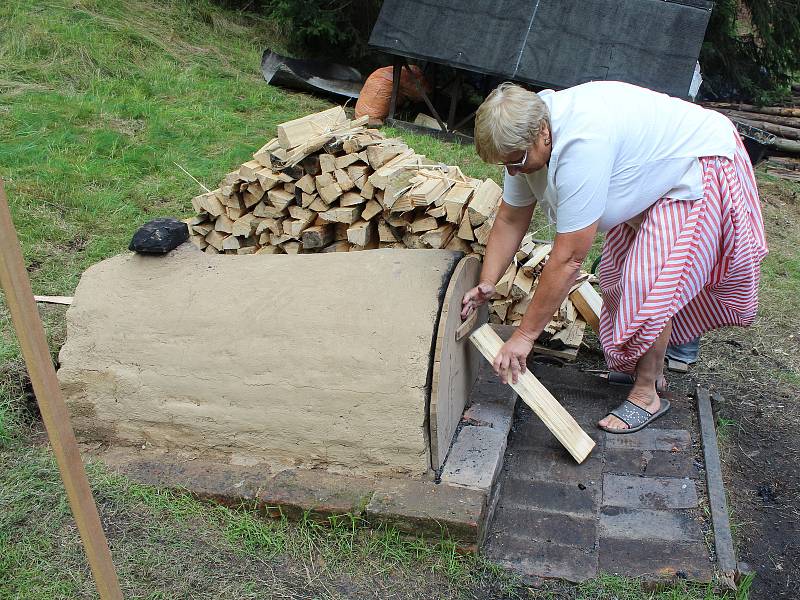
<point x="514" y="292"/>
<point x="782" y="122"/>
<point x="329" y="184"/>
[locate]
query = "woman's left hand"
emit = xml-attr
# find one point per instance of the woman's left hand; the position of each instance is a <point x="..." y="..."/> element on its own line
<point x="513" y="357"/>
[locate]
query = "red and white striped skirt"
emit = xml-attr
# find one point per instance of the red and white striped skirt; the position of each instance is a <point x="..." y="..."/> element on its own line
<point x="696" y="262"/>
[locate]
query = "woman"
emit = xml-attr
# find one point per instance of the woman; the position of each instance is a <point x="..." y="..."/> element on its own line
<point x="672" y="185"/>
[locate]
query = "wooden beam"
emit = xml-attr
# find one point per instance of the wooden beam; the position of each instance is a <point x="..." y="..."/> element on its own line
<point x="542" y="402"/>
<point x="32" y="341"/>
<point x="588" y="302"/>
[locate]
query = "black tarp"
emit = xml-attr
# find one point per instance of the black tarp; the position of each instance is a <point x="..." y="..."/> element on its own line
<point x="308" y="75"/>
<point x="554" y="43"/>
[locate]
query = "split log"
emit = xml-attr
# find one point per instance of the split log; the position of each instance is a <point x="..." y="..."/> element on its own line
<point x="539" y="253"/>
<point x="455" y="200"/>
<point x="465" y="229"/>
<point x="386" y="232"/>
<point x="317" y="236"/>
<point x="338" y="214"/>
<point x="353" y="199"/>
<point x="223" y="224"/>
<point x="503" y="286"/>
<point x="293" y="133"/>
<point x="372" y="209"/>
<point x="522" y="285"/>
<point x="438" y="238"/>
<point x="588" y="303"/>
<point x="423" y="224"/>
<point x="327" y="163"/>
<point x="484" y="202"/>
<point x="361" y="233"/>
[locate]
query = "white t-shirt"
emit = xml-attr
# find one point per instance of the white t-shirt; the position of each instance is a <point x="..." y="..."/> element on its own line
<point x="617" y="149"/>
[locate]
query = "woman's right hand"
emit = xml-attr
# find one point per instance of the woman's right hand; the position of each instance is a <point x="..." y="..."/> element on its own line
<point x="476" y="297"/>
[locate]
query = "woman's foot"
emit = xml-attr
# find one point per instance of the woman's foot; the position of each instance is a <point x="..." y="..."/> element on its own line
<point x="646" y="399"/>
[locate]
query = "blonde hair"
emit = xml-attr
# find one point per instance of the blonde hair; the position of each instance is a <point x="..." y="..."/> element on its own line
<point x="508" y="121"/>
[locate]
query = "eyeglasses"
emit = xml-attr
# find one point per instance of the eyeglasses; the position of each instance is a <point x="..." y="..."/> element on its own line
<point x="516" y="163"/>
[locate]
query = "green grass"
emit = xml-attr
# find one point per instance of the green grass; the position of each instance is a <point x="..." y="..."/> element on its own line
<point x="99" y="101"/>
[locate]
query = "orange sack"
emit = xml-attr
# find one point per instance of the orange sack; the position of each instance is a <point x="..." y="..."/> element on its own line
<point x="376" y="94"/>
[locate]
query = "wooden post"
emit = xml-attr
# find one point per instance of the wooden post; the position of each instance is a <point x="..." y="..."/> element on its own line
<point x="535" y="395"/>
<point x="28" y="325"/>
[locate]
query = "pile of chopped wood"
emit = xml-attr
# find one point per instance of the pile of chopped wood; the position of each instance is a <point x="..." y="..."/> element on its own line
<point x="514" y="293"/>
<point x="329" y="184"/>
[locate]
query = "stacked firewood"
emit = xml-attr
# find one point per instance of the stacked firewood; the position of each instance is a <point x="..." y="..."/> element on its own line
<point x="514" y="292"/>
<point x="329" y="184"/>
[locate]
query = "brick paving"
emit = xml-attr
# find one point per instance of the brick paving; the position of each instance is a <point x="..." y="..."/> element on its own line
<point x="632" y="508"/>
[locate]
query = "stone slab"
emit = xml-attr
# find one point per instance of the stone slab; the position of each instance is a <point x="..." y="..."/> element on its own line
<point x="429" y="509"/>
<point x="658" y="493"/>
<point x="475" y="458"/>
<point x="227" y="484"/>
<point x="546" y="526"/>
<point x="548" y="464"/>
<point x="551" y="495"/>
<point x="490" y="414"/>
<point x="654" y="559"/>
<point x="655" y="463"/>
<point x="631" y="484"/>
<point x="651" y="439"/>
<point x="411" y="506"/>
<point x="294" y="493"/>
<point x="571" y="563"/>
<point x="643" y="524"/>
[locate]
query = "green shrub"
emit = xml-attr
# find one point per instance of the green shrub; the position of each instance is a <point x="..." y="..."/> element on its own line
<point x="750" y="50"/>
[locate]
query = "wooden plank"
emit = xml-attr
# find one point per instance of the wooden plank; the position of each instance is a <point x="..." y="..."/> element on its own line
<point x="541" y="401"/>
<point x="588" y="303"/>
<point x="36" y="352"/>
<point x="723" y="541"/>
<point x="54" y="299"/>
<point x="455" y="364"/>
<point x="293" y="133"/>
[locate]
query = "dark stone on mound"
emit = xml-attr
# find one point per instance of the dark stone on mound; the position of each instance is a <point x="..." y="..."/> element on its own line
<point x="159" y="236"/>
